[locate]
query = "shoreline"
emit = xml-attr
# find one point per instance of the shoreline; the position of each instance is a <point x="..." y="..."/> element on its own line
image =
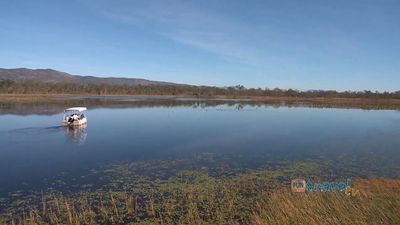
<point x="313" y="102"/>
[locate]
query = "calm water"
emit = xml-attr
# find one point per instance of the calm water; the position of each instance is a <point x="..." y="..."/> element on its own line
<point x="35" y="150"/>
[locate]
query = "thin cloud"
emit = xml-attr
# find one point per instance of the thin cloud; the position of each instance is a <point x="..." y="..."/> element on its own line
<point x="241" y="41"/>
<point x="190" y="25"/>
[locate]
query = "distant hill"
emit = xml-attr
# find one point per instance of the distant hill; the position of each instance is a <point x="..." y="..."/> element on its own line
<point x="47" y="81"/>
<point x="54" y="76"/>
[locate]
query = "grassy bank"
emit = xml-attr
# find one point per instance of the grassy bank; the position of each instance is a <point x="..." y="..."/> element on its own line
<point x="195" y="198"/>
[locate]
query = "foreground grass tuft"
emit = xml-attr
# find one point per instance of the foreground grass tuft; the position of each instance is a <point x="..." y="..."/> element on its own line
<point x="242" y="200"/>
<point x="378" y="203"/>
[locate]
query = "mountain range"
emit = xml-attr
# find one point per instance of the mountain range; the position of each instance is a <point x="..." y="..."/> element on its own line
<point x="54" y="76"/>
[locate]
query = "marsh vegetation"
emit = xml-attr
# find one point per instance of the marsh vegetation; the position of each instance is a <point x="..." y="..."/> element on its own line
<point x="197" y="197"/>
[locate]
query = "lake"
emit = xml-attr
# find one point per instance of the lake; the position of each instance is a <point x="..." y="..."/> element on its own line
<point x="162" y="136"/>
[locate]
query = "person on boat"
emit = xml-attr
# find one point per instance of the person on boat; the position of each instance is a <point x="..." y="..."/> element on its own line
<point x="72" y="118"/>
<point x="75" y="117"/>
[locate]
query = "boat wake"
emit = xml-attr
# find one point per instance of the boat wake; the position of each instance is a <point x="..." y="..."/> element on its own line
<point x="37" y="130"/>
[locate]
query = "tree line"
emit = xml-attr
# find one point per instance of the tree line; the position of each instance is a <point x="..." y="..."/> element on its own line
<point x="31" y="87"/>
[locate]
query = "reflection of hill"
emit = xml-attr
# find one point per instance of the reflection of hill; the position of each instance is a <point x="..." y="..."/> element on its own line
<point x="56" y="107"/>
<point x="52" y="106"/>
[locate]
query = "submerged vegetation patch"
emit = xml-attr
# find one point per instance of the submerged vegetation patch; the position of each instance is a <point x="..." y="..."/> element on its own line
<point x="149" y="191"/>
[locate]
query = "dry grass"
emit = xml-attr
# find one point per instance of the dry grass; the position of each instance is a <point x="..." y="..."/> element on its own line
<point x="13" y="98"/>
<point x="378" y="203"/>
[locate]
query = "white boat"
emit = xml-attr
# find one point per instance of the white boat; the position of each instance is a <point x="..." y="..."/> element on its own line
<point x="74" y="116"/>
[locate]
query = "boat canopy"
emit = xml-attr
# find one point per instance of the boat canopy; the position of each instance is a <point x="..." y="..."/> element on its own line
<point x="79" y="109"/>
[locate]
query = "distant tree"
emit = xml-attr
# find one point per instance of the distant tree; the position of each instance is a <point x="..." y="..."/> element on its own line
<point x="29" y="87"/>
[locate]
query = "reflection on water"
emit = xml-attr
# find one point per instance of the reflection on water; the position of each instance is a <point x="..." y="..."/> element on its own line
<point x="76" y="134"/>
<point x="93" y="102"/>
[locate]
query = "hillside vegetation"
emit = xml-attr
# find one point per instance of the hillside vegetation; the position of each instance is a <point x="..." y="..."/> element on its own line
<point x="31" y="87"/>
<point x="48" y="81"/>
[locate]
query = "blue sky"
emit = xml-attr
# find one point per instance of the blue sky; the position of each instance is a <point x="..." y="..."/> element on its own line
<point x="342" y="44"/>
